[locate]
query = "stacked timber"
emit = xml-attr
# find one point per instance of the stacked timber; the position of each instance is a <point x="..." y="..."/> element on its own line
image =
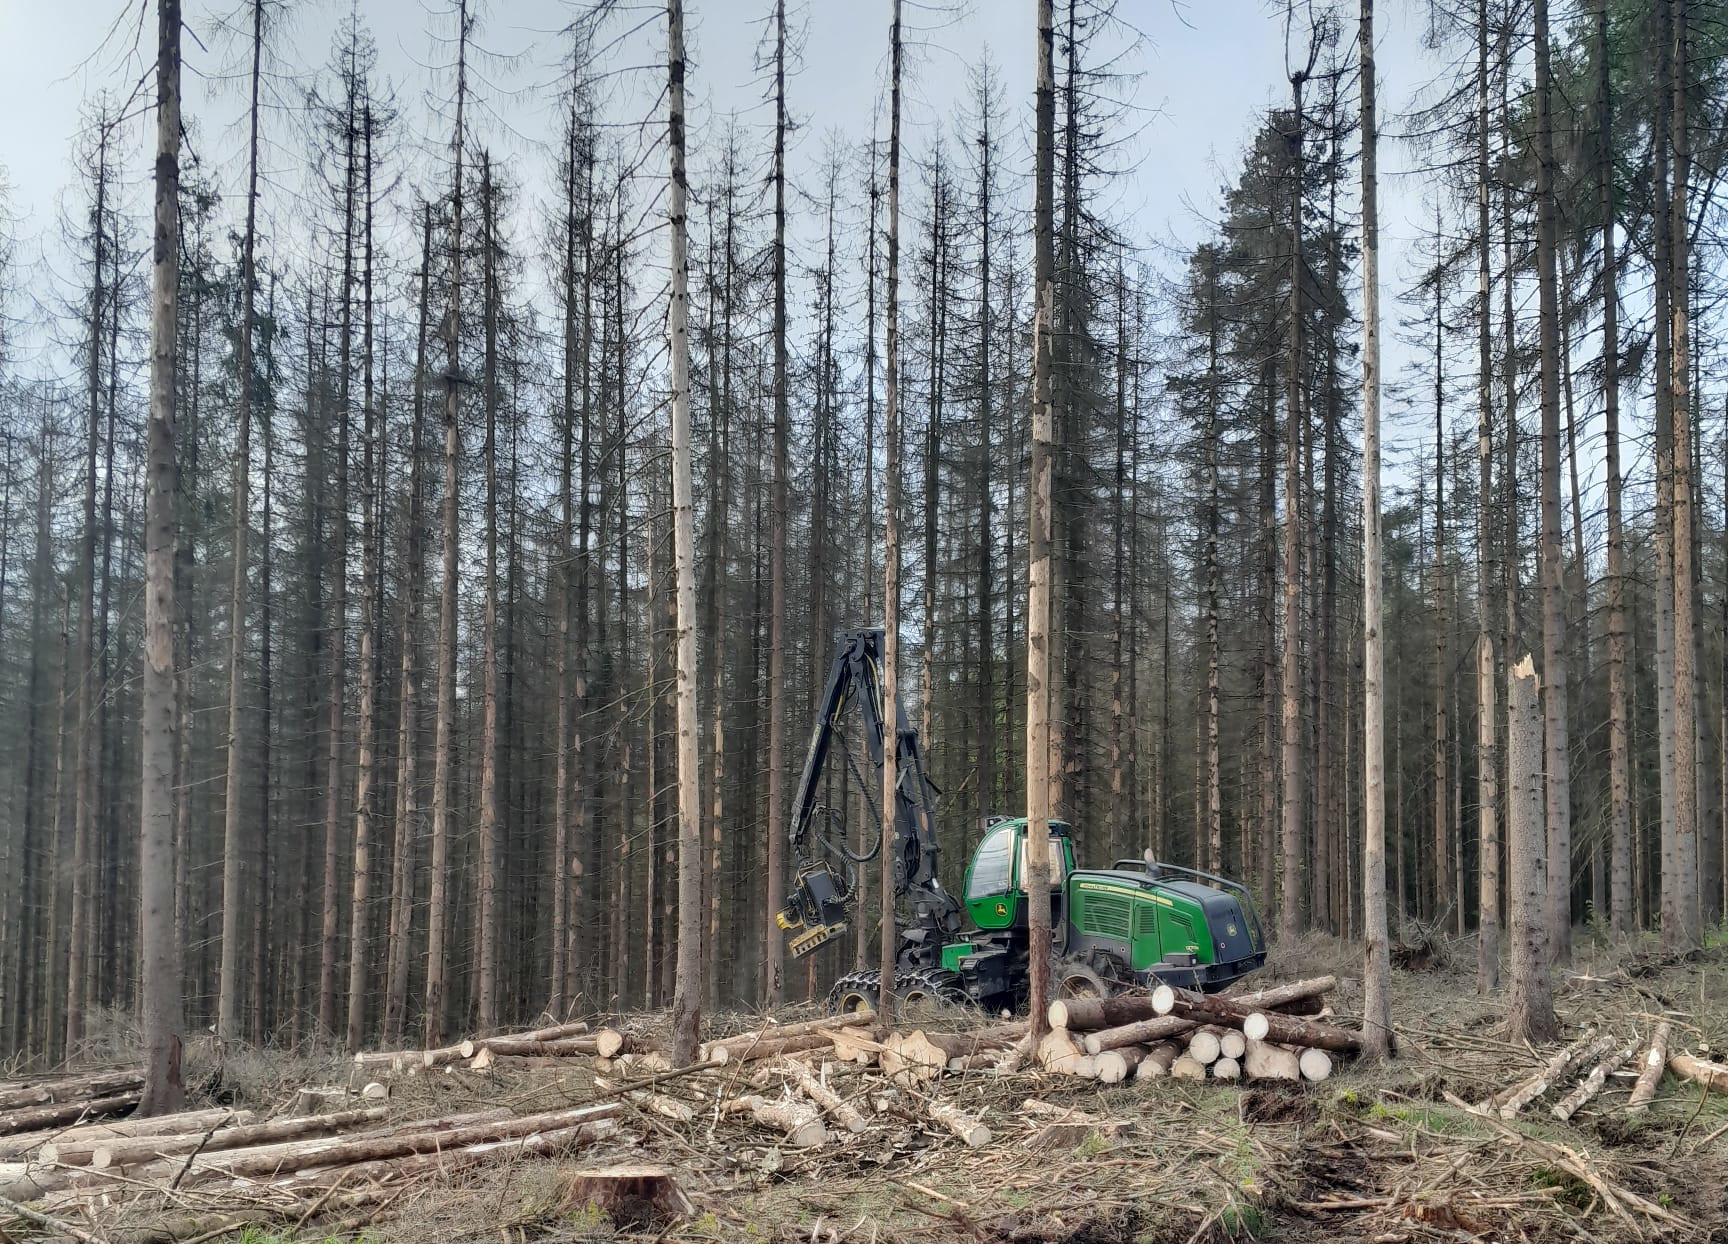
<point x="1273" y="1034"/>
<point x="68" y="1100"/>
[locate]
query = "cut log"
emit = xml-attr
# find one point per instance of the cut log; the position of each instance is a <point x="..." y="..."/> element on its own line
<point x="1256" y="1024"/>
<point x="1158" y="1061"/>
<point x="124" y="1151"/>
<point x="98" y="1084"/>
<point x="186" y="1122"/>
<point x="1291" y="1030"/>
<point x="957" y="1121"/>
<point x="757" y="1051"/>
<point x="779" y="1032"/>
<point x="1226" y="1069"/>
<point x="798" y="1121"/>
<point x="979" y="1041"/>
<point x="1713" y="1076"/>
<point x="551" y="1032"/>
<point x="1655" y="1062"/>
<point x="831" y="1103"/>
<point x="1297" y="998"/>
<point x="1085" y="1067"/>
<point x="857" y="1045"/>
<point x="1140" y="1032"/>
<point x="1203" y="1046"/>
<point x="1231" y="1044"/>
<point x="1115" y="1066"/>
<point x="1592" y="1084"/>
<point x="1058" y="1052"/>
<point x="1089" y="1014"/>
<point x="1185" y="1068"/>
<point x="1265" y="1061"/>
<point x="460" y="1052"/>
<point x="375" y="1091"/>
<point x="609" y="1043"/>
<point x="40" y="1118"/>
<point x="1552" y="1070"/>
<point x="633" y="1198"/>
<point x="1557" y="1069"/>
<point x="554" y="1047"/>
<point x="1316" y="1065"/>
<point x="441" y="1161"/>
<point x="368" y="1147"/>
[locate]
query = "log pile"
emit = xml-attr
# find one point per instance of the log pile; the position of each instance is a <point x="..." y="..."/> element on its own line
<point x="1587" y="1064"/>
<point x="66" y="1101"/>
<point x="1282" y="1033"/>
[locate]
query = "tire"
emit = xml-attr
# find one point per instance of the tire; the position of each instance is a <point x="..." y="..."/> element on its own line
<point x="1074" y="979"/>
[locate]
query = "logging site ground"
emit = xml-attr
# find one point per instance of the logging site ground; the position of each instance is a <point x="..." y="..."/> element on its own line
<point x="1394" y="1152"/>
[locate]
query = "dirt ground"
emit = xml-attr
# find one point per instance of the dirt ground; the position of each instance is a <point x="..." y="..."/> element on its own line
<point x="1376" y="1153"/>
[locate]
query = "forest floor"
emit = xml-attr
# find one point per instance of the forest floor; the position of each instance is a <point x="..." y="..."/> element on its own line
<point x="1376" y="1153"/>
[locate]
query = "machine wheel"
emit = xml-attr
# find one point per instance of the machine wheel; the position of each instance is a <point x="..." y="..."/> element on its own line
<point x="861" y="991"/>
<point x="929" y="985"/>
<point x="1074" y="979"/>
<point x="854" y="992"/>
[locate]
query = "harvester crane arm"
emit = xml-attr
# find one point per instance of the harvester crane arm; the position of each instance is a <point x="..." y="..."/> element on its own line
<point x="824" y="890"/>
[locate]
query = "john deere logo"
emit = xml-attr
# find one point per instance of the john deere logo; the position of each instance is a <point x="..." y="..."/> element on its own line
<point x="1230" y="929"/>
<point x="1001" y="909"/>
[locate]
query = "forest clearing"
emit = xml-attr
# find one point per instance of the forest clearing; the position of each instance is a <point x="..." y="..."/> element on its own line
<point x="1271" y="776"/>
<point x="624" y="1147"/>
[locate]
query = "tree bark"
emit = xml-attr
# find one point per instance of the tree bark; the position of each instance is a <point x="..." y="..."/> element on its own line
<point x="1530" y="999"/>
<point x="443" y="760"/>
<point x="1556" y="771"/>
<point x="234" y="842"/>
<point x="159" y="994"/>
<point x="1377" y="968"/>
<point x="1686" y="932"/>
<point x="687" y="999"/>
<point x="1038" y="594"/>
<point x="776" y="946"/>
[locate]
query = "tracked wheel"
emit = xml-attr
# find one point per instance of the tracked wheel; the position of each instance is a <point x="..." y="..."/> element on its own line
<point x="862" y="991"/>
<point x="854" y="992"/>
<point x="930" y="985"/>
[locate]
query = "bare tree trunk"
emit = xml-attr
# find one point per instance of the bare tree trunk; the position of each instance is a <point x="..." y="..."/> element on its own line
<point x="687" y="999"/>
<point x="335" y="696"/>
<point x="489" y="833"/>
<point x="888" y="933"/>
<point x="374" y="436"/>
<point x="1377" y="967"/>
<point x="408" y="692"/>
<point x="1445" y="897"/>
<point x="776" y="948"/>
<point x="1038" y="594"/>
<point x="160" y="991"/>
<point x="443" y="761"/>
<point x="1293" y="848"/>
<point x="1556" y="771"/>
<point x="1487" y="747"/>
<point x="1619" y="767"/>
<point x="234" y="843"/>
<point x="1213" y="856"/>
<point x="1686" y="933"/>
<point x="1530" y="1000"/>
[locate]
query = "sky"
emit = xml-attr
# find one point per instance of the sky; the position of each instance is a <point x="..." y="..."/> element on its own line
<point x="1209" y="70"/>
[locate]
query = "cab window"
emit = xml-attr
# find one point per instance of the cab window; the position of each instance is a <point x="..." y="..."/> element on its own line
<point x="1058" y="863"/>
<point x="990" y="864"/>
